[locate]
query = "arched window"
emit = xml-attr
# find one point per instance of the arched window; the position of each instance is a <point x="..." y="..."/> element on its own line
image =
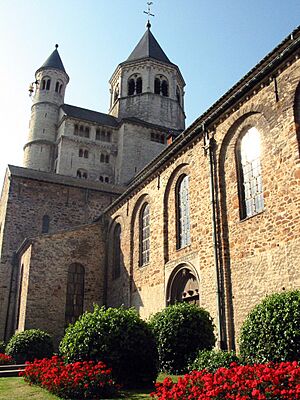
<point x="139" y="85"/>
<point x="45" y="224"/>
<point x="57" y="87"/>
<point x="48" y="84"/>
<point x="116" y="93"/>
<point x="135" y="85"/>
<point x="60" y="88"/>
<point x="87" y="132"/>
<point x="183" y="212"/>
<point x="249" y="172"/>
<point x="144" y="226"/>
<point x="75" y="293"/>
<point x="106" y="179"/>
<point x="45" y="85"/>
<point x="165" y="88"/>
<point x="86" y="154"/>
<point x="131" y="85"/>
<point x="101" y="178"/>
<point x="116" y="270"/>
<point x="157" y="85"/>
<point x="80" y="153"/>
<point x="161" y="86"/>
<point x="81" y="174"/>
<point x="183" y="286"/>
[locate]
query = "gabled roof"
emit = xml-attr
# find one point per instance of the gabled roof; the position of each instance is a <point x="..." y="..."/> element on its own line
<point x="148" y="47"/>
<point x="54" y="61"/>
<point x="89" y="115"/>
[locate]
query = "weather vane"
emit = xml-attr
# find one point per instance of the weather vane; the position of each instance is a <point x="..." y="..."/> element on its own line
<point x="149" y="3"/>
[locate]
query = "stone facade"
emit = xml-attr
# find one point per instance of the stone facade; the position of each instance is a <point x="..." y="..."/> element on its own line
<point x="198" y="241"/>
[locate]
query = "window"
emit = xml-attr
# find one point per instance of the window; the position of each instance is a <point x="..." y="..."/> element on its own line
<point x="45" y="224"/>
<point x="104" y="158"/>
<point x="158" y="137"/>
<point x="106" y="179"/>
<point x="87" y="132"/>
<point x="183" y="212"/>
<point x="178" y="95"/>
<point x="97" y="134"/>
<point x="144" y="224"/>
<point x="135" y="85"/>
<point x="57" y="87"/>
<point x="46" y="82"/>
<point x="80" y="153"/>
<point x="116" y="272"/>
<point x="161" y="86"/>
<point x="81" y="174"/>
<point x="101" y="179"/>
<point x="250" y="178"/>
<point x="86" y="154"/>
<point x="75" y="129"/>
<point x="75" y="293"/>
<point x="116" y="93"/>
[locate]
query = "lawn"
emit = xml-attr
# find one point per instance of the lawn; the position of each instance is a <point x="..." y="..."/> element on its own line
<point x="17" y="389"/>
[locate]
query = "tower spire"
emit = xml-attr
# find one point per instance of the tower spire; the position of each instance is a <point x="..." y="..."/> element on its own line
<point x="148" y="12"/>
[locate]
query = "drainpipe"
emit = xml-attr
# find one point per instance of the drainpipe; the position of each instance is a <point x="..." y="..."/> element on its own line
<point x="209" y="148"/>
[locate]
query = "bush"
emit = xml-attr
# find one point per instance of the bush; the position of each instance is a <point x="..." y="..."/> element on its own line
<point x="211" y="360"/>
<point x="81" y="380"/>
<point x="30" y="344"/>
<point x="181" y="330"/>
<point x="5" y="359"/>
<point x="271" y="332"/>
<point x="247" y="382"/>
<point x="117" y="337"/>
<point x="2" y="347"/>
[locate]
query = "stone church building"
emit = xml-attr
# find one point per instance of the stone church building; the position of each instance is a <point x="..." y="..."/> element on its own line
<point x="131" y="208"/>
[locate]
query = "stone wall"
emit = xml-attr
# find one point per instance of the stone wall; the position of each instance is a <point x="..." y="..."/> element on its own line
<point x="258" y="255"/>
<point x="43" y="301"/>
<point x="29" y="195"/>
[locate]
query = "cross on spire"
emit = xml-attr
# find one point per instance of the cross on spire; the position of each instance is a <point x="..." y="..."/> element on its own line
<point x="148" y="12"/>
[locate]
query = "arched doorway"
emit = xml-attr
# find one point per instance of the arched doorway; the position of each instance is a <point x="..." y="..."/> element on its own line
<point x="183" y="286"/>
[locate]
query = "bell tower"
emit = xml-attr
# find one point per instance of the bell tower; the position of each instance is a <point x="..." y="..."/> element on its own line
<point x="148" y="86"/>
<point x="51" y="81"/>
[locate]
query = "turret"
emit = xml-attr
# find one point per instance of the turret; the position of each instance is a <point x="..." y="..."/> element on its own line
<point x="50" y="85"/>
<point x="148" y="86"/>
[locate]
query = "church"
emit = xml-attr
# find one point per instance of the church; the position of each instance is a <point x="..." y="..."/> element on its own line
<point x="131" y="208"/>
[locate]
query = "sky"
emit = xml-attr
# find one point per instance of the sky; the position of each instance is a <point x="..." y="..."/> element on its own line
<point x="214" y="43"/>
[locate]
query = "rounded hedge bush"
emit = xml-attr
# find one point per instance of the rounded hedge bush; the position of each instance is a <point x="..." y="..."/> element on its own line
<point x="181" y="330"/>
<point x="211" y="360"/>
<point x="271" y="332"/>
<point x="119" y="338"/>
<point x="29" y="344"/>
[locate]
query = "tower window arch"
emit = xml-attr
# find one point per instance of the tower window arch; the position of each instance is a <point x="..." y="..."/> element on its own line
<point x="116" y="270"/>
<point x="249" y="174"/>
<point x="104" y="158"/>
<point x="135" y="85"/>
<point x="161" y="86"/>
<point x="81" y="173"/>
<point x="183" y="212"/>
<point x="80" y="153"/>
<point x="144" y="226"/>
<point x="45" y="84"/>
<point x="75" y="293"/>
<point x="57" y="86"/>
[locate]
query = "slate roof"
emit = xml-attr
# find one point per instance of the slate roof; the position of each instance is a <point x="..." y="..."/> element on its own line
<point x="54" y="61"/>
<point x="148" y="47"/>
<point x="89" y="115"/>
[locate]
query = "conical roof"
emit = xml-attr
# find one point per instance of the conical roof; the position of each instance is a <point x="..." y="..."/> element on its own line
<point x="148" y="47"/>
<point x="54" y="61"/>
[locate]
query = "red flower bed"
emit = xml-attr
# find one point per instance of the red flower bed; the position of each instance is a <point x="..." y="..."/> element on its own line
<point x="5" y="359"/>
<point x="79" y="380"/>
<point x="260" y="382"/>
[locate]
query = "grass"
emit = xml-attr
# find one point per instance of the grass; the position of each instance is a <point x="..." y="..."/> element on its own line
<point x="17" y="389"/>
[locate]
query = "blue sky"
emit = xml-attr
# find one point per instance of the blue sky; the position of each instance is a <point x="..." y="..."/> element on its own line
<point x="214" y="43"/>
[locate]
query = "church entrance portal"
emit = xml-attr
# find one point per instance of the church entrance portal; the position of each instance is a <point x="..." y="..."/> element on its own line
<point x="183" y="287"/>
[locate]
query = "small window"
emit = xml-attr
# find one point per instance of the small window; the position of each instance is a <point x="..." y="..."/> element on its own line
<point x="97" y="134"/>
<point x="109" y="136"/>
<point x="86" y="154"/>
<point x="81" y="130"/>
<point x="43" y="84"/>
<point x="107" y="158"/>
<point x="78" y="173"/>
<point x="157" y="86"/>
<point x="183" y="212"/>
<point x="57" y="87"/>
<point x="116" y="268"/>
<point x="131" y="85"/>
<point x="106" y="179"/>
<point x="161" y="86"/>
<point x="75" y="129"/>
<point x="48" y="84"/>
<point x="139" y="85"/>
<point x="144" y="225"/>
<point x="101" y="178"/>
<point x="116" y="93"/>
<point x="45" y="224"/>
<point x="165" y="88"/>
<point x="81" y="174"/>
<point x="84" y="175"/>
<point x="80" y="153"/>
<point x="87" y="132"/>
<point x="60" y="88"/>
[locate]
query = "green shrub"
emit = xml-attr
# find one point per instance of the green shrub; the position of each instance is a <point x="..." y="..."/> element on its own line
<point x="30" y="344"/>
<point x="2" y="347"/>
<point x="119" y="338"/>
<point x="271" y="332"/>
<point x="181" y="330"/>
<point x="211" y="360"/>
